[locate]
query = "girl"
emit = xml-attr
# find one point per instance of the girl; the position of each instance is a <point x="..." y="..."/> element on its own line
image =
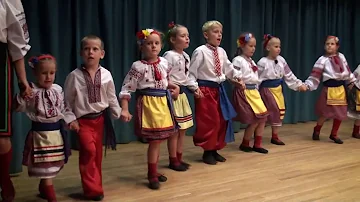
<point x="354" y="104"/>
<point x="154" y="116"/>
<point x="273" y="69"/>
<point x="335" y="73"/>
<point x="46" y="150"/>
<point x="247" y="103"/>
<point x="178" y="39"/>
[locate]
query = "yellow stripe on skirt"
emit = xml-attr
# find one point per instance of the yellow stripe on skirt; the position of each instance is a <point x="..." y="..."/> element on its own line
<point x="156" y="114"/>
<point x="254" y="99"/>
<point x="357" y="100"/>
<point x="183" y="113"/>
<point x="279" y="99"/>
<point x="336" y="96"/>
<point x="48" y="146"/>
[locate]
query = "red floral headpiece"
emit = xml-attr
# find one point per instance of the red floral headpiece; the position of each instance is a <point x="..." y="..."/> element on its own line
<point x="267" y="38"/>
<point x="143" y="34"/>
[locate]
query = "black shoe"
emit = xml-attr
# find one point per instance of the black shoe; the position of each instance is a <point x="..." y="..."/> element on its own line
<point x="277" y="141"/>
<point x="336" y="140"/>
<point x="179" y="167"/>
<point x="260" y="150"/>
<point x="245" y="148"/>
<point x="316" y="136"/>
<point x="154" y="184"/>
<point x="218" y="157"/>
<point x="185" y="164"/>
<point x="208" y="158"/>
<point x="162" y="178"/>
<point x="97" y="198"/>
<point x="357" y="136"/>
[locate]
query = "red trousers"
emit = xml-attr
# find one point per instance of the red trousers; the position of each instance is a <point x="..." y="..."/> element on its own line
<point x="210" y="124"/>
<point x="90" y="155"/>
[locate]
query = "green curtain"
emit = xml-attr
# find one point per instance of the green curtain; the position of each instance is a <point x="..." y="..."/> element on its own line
<point x="57" y="27"/>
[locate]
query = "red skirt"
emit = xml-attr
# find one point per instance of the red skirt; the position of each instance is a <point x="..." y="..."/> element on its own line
<point x="272" y="107"/>
<point x="329" y="111"/>
<point x="245" y="113"/>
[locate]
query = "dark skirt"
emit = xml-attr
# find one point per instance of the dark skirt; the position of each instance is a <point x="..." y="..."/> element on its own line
<point x="245" y="113"/>
<point x="6" y="74"/>
<point x="322" y="109"/>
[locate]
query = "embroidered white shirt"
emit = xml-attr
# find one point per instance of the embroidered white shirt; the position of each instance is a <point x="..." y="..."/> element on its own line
<point x="85" y="96"/>
<point x="142" y="76"/>
<point x="202" y="67"/>
<point x="278" y="69"/>
<point x="46" y="105"/>
<point x="13" y="28"/>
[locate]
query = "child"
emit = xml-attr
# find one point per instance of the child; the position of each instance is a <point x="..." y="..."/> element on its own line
<point x="46" y="149"/>
<point x="273" y="69"/>
<point x="354" y="104"/>
<point x="178" y="39"/>
<point x="90" y="93"/>
<point x="154" y="118"/>
<point x="247" y="103"/>
<point x="14" y="39"/>
<point x="209" y="68"/>
<point x="335" y="73"/>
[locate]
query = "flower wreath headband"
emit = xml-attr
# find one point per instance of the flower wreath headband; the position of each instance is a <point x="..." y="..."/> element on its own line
<point x="33" y="61"/>
<point x="244" y="39"/>
<point x="143" y="34"/>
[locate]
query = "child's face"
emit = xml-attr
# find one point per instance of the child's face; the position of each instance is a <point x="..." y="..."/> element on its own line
<point x="331" y="47"/>
<point x="91" y="52"/>
<point x="249" y="47"/>
<point x="274" y="47"/>
<point x="182" y="40"/>
<point x="45" y="73"/>
<point x="214" y="35"/>
<point x="151" y="46"/>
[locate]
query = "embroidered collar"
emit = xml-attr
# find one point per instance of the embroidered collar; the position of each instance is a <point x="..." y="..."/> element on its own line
<point x="84" y="68"/>
<point x="151" y="63"/>
<point x="211" y="47"/>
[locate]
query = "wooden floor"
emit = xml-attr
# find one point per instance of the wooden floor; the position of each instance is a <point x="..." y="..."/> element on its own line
<point x="303" y="170"/>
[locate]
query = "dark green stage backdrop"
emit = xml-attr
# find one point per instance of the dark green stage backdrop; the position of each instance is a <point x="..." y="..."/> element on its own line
<point x="57" y="27"/>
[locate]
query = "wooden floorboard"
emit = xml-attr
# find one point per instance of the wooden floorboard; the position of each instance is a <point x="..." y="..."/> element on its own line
<point x="302" y="170"/>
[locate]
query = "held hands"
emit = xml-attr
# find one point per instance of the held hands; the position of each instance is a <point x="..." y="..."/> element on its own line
<point x="239" y="83"/>
<point x="125" y="115"/>
<point x="25" y="90"/>
<point x="198" y="93"/>
<point x="303" y="88"/>
<point x="350" y="86"/>
<point x="74" y="126"/>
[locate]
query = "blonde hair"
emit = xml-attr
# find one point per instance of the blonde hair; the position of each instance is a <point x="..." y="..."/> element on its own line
<point x="210" y="24"/>
<point x="91" y="37"/>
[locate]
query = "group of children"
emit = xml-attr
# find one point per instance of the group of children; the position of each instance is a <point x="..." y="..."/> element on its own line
<point x="162" y="112"/>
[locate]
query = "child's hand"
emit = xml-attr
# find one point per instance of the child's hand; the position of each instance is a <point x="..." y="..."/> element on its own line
<point x="198" y="93"/>
<point x="125" y="115"/>
<point x="303" y="88"/>
<point x="25" y="91"/>
<point x="240" y="84"/>
<point x="175" y="92"/>
<point x="350" y="86"/>
<point x="74" y="126"/>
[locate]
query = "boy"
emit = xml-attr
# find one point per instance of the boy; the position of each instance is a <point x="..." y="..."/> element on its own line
<point x="209" y="68"/>
<point x="89" y="91"/>
<point x="14" y="39"/>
